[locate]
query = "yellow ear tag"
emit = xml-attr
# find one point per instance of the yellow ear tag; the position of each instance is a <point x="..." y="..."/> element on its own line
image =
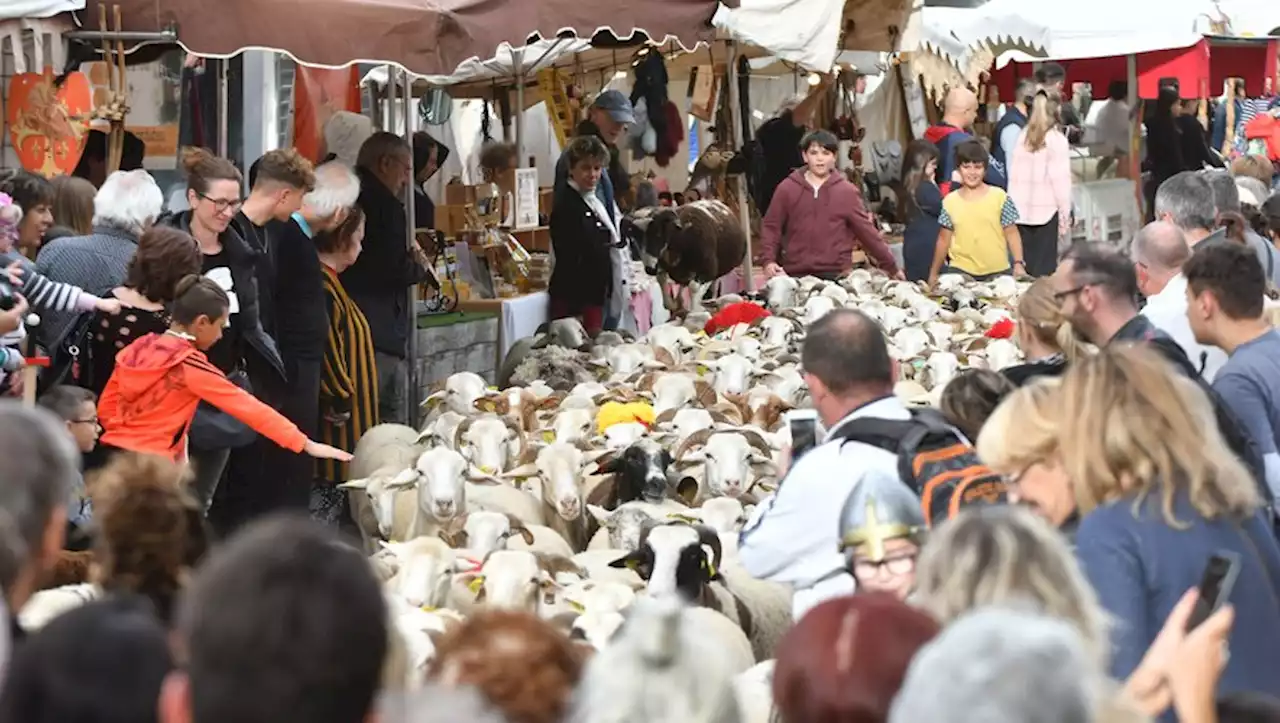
<point x="548" y="436"/>
<point x="476" y="584"/>
<point x="433" y="402"/>
<point x="683" y="518"/>
<point x="702" y="370"/>
<point x="489" y="406"/>
<point x="429" y="608"/>
<point x="491" y="388"/>
<point x="577" y="607"/>
<point x="632" y="564"/>
<point x="700" y="335"/>
<point x="711" y="569"/>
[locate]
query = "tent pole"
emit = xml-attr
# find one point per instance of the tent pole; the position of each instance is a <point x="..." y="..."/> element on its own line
<point x="411" y="368"/>
<point x="223" y="111"/>
<point x="518" y="57"/>
<point x="735" y="130"/>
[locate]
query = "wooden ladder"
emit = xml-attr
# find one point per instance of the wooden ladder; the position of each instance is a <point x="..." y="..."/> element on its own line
<point x="558" y="106"/>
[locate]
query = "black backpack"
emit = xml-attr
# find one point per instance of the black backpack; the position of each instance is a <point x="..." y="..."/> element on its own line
<point x="934" y="460"/>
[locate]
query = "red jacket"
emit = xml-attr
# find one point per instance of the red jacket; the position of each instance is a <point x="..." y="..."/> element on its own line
<point x="814" y="231"/>
<point x="152" y="395"/>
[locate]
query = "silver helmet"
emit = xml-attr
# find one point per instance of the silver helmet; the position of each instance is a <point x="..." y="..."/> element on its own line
<point x="880" y="508"/>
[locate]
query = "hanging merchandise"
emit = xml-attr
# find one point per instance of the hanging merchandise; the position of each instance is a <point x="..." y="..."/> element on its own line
<point x="48" y="124"/>
<point x="651" y="85"/>
<point x="641" y="138"/>
<point x="435" y="107"/>
<point x="672" y="135"/>
<point x="706" y="91"/>
<point x="318" y="93"/>
<point x="486" y="123"/>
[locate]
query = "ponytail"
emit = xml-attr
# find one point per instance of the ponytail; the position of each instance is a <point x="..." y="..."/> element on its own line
<point x="197" y="296"/>
<point x="1235" y="224"/>
<point x="1044" y="118"/>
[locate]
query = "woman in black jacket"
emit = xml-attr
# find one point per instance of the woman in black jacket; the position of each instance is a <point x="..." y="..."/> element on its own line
<point x="921" y="205"/>
<point x="214" y="195"/>
<point x="582" y="233"/>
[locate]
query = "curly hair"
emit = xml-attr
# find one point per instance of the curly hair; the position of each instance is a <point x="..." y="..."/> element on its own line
<point x="164" y="256"/>
<point x="522" y="665"/>
<point x="27" y="189"/>
<point x="151" y="530"/>
<point x="288" y="167"/>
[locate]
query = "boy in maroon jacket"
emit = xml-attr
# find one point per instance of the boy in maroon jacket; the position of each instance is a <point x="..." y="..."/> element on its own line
<point x="816" y="219"/>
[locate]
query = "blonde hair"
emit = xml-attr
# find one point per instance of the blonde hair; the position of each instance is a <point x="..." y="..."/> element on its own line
<point x="1044" y="118"/>
<point x="1132" y="426"/>
<point x="1041" y="313"/>
<point x="1024" y="428"/>
<point x="1005" y="555"/>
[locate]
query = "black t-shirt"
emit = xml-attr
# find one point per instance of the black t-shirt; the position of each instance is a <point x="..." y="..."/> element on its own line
<point x="229" y="351"/>
<point x="780" y="143"/>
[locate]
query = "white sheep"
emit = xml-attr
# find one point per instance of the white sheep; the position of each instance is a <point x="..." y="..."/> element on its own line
<point x="732" y="373"/>
<point x="484" y="532"/>
<point x="385" y="453"/>
<point x="519" y="580"/>
<point x="727" y="463"/>
<point x="461" y="390"/>
<point x="424" y="569"/>
<point x="660" y="668"/>
<point x="780" y="292"/>
<point x="438" y="476"/>
<point x="596" y="565"/>
<point x="561" y="471"/>
<point x="571" y="425"/>
<point x="490" y="442"/>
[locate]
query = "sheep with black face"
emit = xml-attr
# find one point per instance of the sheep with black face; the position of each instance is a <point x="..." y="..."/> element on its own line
<point x="685" y="560"/>
<point x="692" y="245"/>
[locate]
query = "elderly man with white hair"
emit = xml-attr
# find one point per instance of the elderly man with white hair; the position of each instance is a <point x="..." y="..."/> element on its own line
<point x="126" y="205"/>
<point x="301" y="328"/>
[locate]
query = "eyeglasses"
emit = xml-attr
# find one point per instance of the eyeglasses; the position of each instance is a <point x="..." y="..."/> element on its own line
<point x="90" y="420"/>
<point x="222" y="205"/>
<point x="897" y="565"/>
<point x="1061" y="296"/>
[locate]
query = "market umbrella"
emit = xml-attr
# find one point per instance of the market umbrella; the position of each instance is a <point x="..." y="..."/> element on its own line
<point x="427" y="37"/>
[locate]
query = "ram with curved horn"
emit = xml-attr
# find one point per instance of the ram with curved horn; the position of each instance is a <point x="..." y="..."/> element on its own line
<point x="490" y="442"/>
<point x="723" y="463"/>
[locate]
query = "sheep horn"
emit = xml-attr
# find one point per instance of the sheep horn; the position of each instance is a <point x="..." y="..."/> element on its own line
<point x="553" y="564"/>
<point x="666" y="417"/>
<point x="708" y="537"/>
<point x="757" y="440"/>
<point x="699" y="437"/>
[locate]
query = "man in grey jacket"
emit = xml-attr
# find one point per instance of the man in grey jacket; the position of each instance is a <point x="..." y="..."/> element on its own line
<point x="128" y="204"/>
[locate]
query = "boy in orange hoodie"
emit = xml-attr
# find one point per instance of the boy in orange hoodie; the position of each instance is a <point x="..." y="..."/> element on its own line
<point x="160" y="379"/>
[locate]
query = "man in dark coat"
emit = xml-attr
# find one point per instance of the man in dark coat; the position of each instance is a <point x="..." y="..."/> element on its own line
<point x="428" y="156"/>
<point x="381" y="277"/>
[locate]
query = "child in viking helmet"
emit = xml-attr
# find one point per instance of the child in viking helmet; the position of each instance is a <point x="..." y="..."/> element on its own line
<point x="882" y="529"/>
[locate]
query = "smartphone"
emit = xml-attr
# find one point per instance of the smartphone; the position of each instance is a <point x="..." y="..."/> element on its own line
<point x="1215" y="587"/>
<point x="803" y="424"/>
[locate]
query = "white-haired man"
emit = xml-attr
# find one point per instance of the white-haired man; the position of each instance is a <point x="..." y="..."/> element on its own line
<point x="126" y="205"/>
<point x="301" y="328"/>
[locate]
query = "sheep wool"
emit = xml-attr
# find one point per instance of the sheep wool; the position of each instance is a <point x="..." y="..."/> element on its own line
<point x="617" y="413"/>
<point x="559" y="368"/>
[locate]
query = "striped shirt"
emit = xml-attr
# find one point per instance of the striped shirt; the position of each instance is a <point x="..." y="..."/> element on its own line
<point x="45" y="295"/>
<point x="349" y="382"/>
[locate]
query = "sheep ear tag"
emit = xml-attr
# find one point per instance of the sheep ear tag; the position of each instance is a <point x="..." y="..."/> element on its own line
<point x="548" y="436"/>
<point x="702" y="370"/>
<point x="488" y="405"/>
<point x="683" y="518"/>
<point x="632" y="564"/>
<point x="577" y="606"/>
<point x="475" y="585"/>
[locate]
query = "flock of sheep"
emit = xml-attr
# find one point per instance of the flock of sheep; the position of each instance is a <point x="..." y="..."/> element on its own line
<point x="515" y="498"/>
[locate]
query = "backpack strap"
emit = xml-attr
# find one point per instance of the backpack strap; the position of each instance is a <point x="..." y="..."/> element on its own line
<point x="891" y="435"/>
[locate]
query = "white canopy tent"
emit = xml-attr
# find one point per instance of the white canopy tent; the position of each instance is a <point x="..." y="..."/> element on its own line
<point x="15" y="9"/>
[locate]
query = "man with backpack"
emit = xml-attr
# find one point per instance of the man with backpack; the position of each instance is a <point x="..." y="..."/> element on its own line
<point x="793" y="537"/>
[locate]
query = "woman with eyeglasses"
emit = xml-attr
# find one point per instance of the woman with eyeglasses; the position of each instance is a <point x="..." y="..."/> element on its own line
<point x="214" y="195"/>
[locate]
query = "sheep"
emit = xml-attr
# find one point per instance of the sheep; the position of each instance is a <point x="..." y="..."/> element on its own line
<point x="557" y="367"/>
<point x="639" y="472"/>
<point x="383" y="452"/>
<point x="675" y="426"/>
<point x="660" y="668"/>
<point x="685" y="560"/>
<point x="438" y="476"/>
<point x="571" y="425"/>
<point x="442" y="431"/>
<point x="620" y="529"/>
<point x="623" y="435"/>
<point x="778" y="331"/>
<point x="728" y="460"/>
<point x="490" y="442"/>
<point x="626" y="359"/>
<point x="780" y="292"/>
<point x="732" y="373"/>
<point x="595" y="563"/>
<point x="425" y="567"/>
<point x="671" y="390"/>
<point x="567" y="333"/>
<point x="519" y="580"/>
<point x="484" y="532"/>
<point x="675" y="339"/>
<point x="692" y="245"/>
<point x="560" y="469"/>
<point x="754" y="692"/>
<point x="460" y="392"/>
<point x="817" y="307"/>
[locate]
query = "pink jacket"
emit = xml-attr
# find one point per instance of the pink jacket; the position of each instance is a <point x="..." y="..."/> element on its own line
<point x="1040" y="181"/>
<point x="814" y="231"/>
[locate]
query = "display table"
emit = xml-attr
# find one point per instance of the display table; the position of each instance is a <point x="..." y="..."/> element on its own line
<point x="519" y="316"/>
<point x="457" y="342"/>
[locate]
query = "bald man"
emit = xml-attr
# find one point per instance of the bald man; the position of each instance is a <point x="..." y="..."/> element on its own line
<point x="959" y="111"/>
<point x="1159" y="251"/>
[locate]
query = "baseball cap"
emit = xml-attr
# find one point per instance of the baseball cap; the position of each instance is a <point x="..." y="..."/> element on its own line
<point x="616" y="105"/>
